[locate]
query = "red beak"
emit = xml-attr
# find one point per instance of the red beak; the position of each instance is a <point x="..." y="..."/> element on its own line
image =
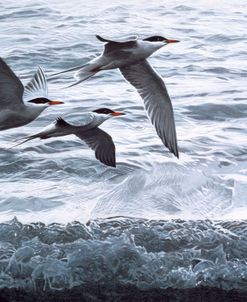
<point x="171" y="41"/>
<point x="116" y="113"/>
<point x="55" y="103"/>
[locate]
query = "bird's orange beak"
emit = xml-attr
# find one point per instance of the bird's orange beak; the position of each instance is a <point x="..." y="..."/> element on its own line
<point x="55" y="102"/>
<point x="171" y="41"/>
<point x="117" y="113"/>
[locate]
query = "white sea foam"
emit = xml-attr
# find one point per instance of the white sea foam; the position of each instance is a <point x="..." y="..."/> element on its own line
<point x="121" y="251"/>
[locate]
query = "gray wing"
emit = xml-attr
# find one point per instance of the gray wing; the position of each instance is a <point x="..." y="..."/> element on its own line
<point x="117" y="40"/>
<point x="11" y="88"/>
<point x="80" y="119"/>
<point x="157" y="102"/>
<point x="102" y="144"/>
<point x="37" y="87"/>
<point x="122" y="45"/>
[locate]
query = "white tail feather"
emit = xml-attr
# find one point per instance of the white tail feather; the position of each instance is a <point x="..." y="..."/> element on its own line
<point x="81" y="79"/>
<point x="23" y="140"/>
<point x="67" y="70"/>
<point x="84" y="71"/>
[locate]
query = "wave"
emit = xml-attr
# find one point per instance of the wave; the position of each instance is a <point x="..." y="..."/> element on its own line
<point x="124" y="251"/>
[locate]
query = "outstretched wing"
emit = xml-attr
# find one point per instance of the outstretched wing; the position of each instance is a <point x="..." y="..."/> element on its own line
<point x="156" y="99"/>
<point x="118" y="40"/>
<point x="102" y="144"/>
<point x="121" y="45"/>
<point x="37" y="87"/>
<point x="11" y="88"/>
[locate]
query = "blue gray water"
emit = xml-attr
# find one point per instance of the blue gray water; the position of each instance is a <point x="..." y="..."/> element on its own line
<point x="59" y="180"/>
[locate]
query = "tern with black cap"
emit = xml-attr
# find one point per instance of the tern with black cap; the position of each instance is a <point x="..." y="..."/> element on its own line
<point x="129" y="56"/>
<point x="14" y="112"/>
<point x="86" y="128"/>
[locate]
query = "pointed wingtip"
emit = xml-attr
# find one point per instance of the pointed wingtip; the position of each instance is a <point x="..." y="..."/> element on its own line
<point x="109" y="164"/>
<point x="40" y="71"/>
<point x="112" y="165"/>
<point x="101" y="39"/>
<point x="40" y="68"/>
<point x="175" y="152"/>
<point x="172" y="149"/>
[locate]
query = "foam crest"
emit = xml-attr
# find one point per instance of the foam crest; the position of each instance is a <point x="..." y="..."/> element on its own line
<point x="123" y="251"/>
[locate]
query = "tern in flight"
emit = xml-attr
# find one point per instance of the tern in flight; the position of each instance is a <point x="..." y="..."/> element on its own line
<point x="14" y="112"/>
<point x="129" y="55"/>
<point x="86" y="128"/>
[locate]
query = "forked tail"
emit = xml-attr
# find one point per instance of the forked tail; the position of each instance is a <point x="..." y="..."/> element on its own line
<point x="67" y="70"/>
<point x="84" y="72"/>
<point x="24" y="140"/>
<point x="81" y="76"/>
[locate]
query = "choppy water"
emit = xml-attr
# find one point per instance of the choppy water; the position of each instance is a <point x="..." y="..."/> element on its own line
<point x="145" y="254"/>
<point x="59" y="180"/>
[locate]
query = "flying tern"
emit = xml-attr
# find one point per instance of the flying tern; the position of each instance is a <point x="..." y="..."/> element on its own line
<point x="86" y="128"/>
<point x="129" y="56"/>
<point x="14" y="112"/>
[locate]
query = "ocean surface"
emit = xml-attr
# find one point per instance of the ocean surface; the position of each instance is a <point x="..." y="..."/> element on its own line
<point x="179" y="223"/>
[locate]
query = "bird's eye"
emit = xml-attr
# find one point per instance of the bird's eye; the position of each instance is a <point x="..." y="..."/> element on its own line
<point x="39" y="101"/>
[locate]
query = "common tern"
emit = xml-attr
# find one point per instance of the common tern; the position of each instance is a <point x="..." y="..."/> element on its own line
<point x="86" y="128"/>
<point x="129" y="55"/>
<point x="14" y="112"/>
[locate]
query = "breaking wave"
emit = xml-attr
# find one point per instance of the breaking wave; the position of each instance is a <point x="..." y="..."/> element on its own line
<point x="143" y="253"/>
